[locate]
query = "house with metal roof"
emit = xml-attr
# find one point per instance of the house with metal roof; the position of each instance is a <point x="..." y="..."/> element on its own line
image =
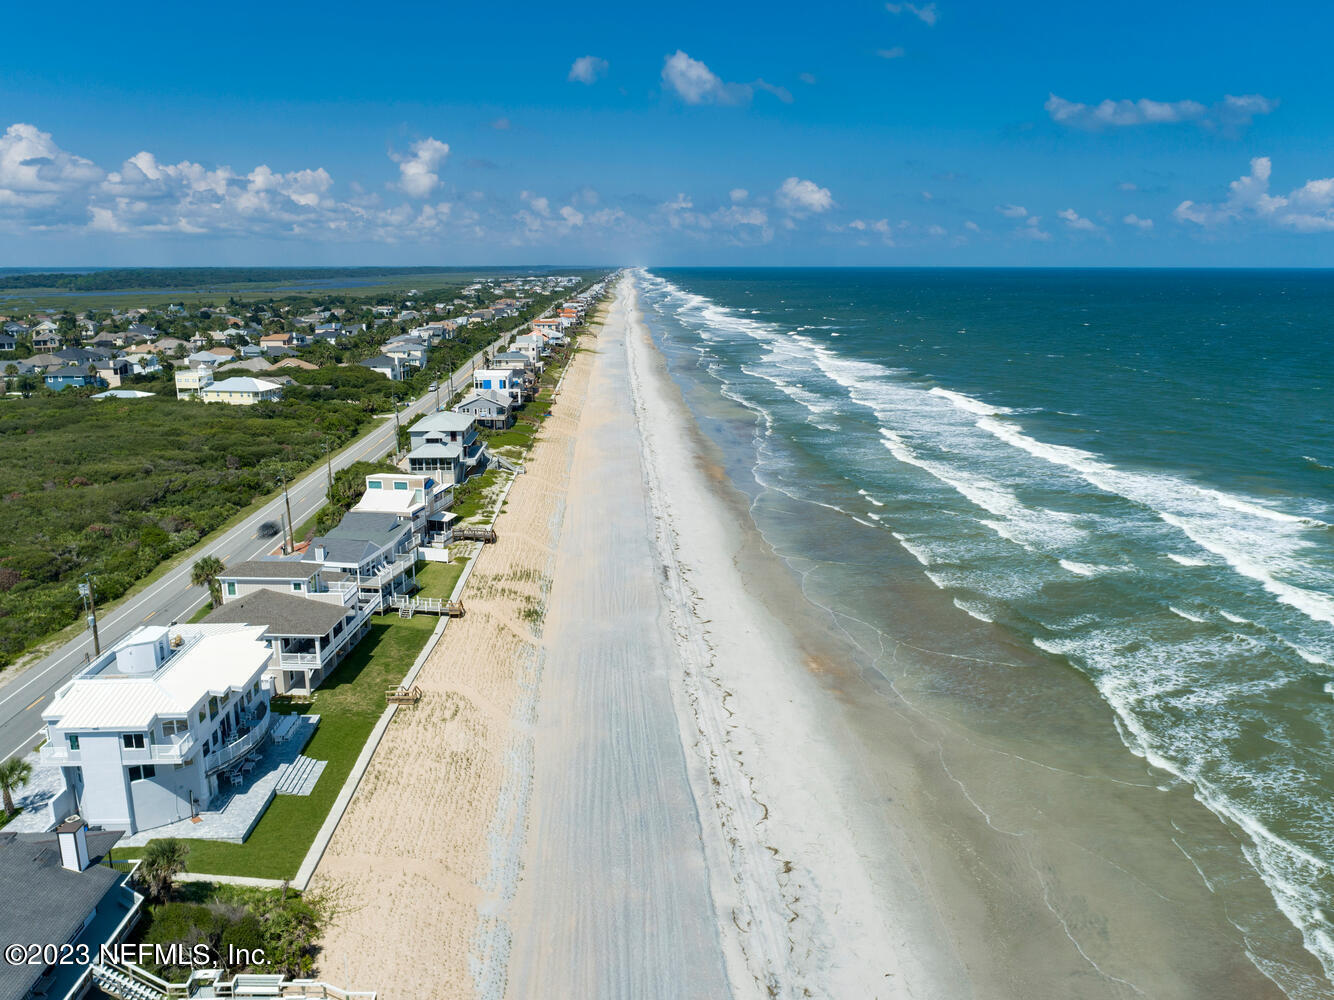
<point x="241" y="391"/>
<point x="56" y="893"/>
<point x="142" y="733"/>
<point x="422" y="501"/>
<point x="445" y="445"/>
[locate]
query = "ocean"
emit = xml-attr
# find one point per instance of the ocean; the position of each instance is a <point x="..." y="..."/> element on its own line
<point x="1124" y="475"/>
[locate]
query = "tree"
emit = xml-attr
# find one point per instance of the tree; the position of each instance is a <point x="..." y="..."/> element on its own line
<point x="205" y="573"/>
<point x="14" y="774"/>
<point x="163" y="860"/>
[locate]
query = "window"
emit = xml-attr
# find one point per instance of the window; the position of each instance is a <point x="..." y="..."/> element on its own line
<point x="201" y="715"/>
<point x="213" y="708"/>
<point x="231" y="589"/>
<point x="73" y="741"/>
<point x="133" y="741"/>
<point x="140" y="772"/>
<point x="400" y="485"/>
<point x="373" y="484"/>
<point x="296" y="585"/>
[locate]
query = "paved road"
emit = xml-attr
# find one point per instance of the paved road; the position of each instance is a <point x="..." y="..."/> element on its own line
<point x="172" y="598"/>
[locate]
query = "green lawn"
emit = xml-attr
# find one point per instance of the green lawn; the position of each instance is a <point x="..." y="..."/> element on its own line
<point x="348" y="704"/>
<point x="437" y="579"/>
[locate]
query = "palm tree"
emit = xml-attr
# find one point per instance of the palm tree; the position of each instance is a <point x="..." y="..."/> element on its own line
<point x="205" y="573"/>
<point x="14" y="774"/>
<point x="163" y="860"/>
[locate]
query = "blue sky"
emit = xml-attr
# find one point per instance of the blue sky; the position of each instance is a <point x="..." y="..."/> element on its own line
<point x="692" y="133"/>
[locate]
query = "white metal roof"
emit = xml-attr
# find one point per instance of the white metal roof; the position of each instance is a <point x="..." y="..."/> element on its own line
<point x="216" y="658"/>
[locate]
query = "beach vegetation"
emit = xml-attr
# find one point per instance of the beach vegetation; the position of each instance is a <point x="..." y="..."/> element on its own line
<point x="14" y="774"/>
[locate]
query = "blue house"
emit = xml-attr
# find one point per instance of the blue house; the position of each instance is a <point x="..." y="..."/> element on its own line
<point x="58" y="380"/>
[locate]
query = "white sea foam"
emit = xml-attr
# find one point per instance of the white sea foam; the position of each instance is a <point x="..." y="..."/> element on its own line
<point x="1185" y="614"/>
<point x="968" y="402"/>
<point x="1090" y="569"/>
<point x="976" y="610"/>
<point x="920" y="554"/>
<point x="1187" y="560"/>
<point x="871" y="498"/>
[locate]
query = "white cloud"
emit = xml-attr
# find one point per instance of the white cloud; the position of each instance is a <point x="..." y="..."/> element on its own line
<point x="694" y="83"/>
<point x="972" y="226"/>
<point x="738" y="194"/>
<point x="1012" y="211"/>
<point x="926" y="13"/>
<point x="1032" y="230"/>
<point x="807" y="78"/>
<point x="1307" y="209"/>
<point x="501" y="125"/>
<point x="803" y="197"/>
<point x="1076" y="221"/>
<point x="1230" y="115"/>
<point x="1127" y="186"/>
<point x="418" y="175"/>
<point x="895" y="53"/>
<point x="35" y="173"/>
<point x="587" y="69"/>
<point x="1144" y="225"/>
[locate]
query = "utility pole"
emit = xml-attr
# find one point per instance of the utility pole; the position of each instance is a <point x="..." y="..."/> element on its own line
<point x="291" y="529"/>
<point x="398" y="430"/>
<point x="328" y="463"/>
<point x="90" y="605"/>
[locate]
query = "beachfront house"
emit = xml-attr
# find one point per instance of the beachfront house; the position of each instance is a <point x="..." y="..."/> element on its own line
<point x="141" y="734"/>
<point x="376" y="549"/>
<point x="489" y="408"/>
<point x="420" y="500"/>
<point x="445" y="446"/>
<point x="507" y="379"/>
<point x="58" y="893"/>
<point x="241" y="391"/>
<point x="309" y="636"/>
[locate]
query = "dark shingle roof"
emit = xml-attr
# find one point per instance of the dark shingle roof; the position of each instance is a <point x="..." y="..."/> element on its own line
<point x="284" y="568"/>
<point x="44" y="904"/>
<point x="281" y="613"/>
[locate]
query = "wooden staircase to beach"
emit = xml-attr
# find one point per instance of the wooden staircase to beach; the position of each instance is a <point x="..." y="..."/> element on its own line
<point x="472" y="533"/>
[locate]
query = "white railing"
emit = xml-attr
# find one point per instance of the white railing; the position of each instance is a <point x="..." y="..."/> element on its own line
<point x="170" y="753"/>
<point x="298" y="659"/>
<point x="239" y="748"/>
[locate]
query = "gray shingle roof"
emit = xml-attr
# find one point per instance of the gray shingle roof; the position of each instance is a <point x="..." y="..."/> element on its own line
<point x="284" y="568"/>
<point x="281" y="613"/>
<point x="44" y="903"/>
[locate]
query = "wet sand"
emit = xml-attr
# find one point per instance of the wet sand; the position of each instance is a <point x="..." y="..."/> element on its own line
<point x="686" y="780"/>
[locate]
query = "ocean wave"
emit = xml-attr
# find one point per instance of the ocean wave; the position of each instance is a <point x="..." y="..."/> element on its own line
<point x="978" y="611"/>
<point x="1187" y="560"/>
<point x="1186" y="614"/>
<point x="1090" y="569"/>
<point x="968" y="403"/>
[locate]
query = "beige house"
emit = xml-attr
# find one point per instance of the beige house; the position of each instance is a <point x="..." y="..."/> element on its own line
<point x="241" y="391"/>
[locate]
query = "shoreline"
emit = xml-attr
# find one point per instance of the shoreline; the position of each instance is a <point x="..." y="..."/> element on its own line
<point x="997" y="876"/>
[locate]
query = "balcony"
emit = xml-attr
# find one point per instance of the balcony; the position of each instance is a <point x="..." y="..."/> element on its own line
<point x="239" y="747"/>
<point x="387" y="574"/>
<point x="174" y="752"/>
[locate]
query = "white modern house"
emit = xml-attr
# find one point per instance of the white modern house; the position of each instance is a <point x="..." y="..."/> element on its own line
<point x="142" y="733"/>
<point x="502" y="379"/>
<point x="445" y="446"/>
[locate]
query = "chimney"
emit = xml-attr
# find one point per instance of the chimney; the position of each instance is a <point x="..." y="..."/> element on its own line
<point x="73" y="839"/>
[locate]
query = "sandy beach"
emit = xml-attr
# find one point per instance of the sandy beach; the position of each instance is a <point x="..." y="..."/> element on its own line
<point x="426" y="856"/>
<point x="647" y="766"/>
